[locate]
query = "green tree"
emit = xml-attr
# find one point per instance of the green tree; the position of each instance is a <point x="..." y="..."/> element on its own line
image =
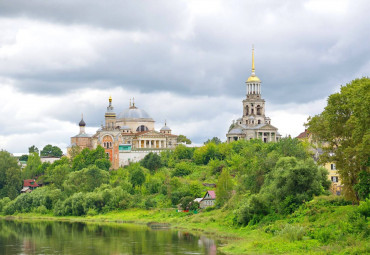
<point x="13" y="182"/>
<point x="224" y="188"/>
<point x="343" y="128"/>
<point x="85" y="180"/>
<point x="151" y="161"/>
<point x="33" y="165"/>
<point x="137" y="176"/>
<point x="182" y="152"/>
<point x="89" y="157"/>
<point x="183" y="139"/>
<point x="33" y="149"/>
<point x="58" y="175"/>
<point x="10" y="180"/>
<point x="214" y="140"/>
<point x="23" y="158"/>
<point x="51" y="151"/>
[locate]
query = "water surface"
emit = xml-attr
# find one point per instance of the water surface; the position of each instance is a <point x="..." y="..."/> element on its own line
<point x="50" y="237"/>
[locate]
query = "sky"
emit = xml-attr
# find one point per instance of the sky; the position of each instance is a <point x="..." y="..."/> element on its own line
<point x="184" y="62"/>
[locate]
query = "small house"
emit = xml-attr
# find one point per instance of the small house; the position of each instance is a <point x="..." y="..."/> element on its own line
<point x="208" y="199"/>
<point x="30" y="183"/>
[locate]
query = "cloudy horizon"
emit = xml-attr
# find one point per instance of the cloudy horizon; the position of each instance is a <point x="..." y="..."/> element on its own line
<point x="185" y="62"/>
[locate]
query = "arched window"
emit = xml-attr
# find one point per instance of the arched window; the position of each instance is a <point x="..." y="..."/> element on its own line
<point x="247" y="110"/>
<point x="259" y="121"/>
<point x="259" y="108"/>
<point x="142" y="128"/>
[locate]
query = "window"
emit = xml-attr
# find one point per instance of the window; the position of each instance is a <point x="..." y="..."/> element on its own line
<point x="259" y="121"/>
<point x="141" y="128"/>
<point x="334" y="178"/>
<point x="332" y="166"/>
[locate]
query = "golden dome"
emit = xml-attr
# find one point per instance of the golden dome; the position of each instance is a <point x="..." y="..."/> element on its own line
<point x="110" y="99"/>
<point x="253" y="78"/>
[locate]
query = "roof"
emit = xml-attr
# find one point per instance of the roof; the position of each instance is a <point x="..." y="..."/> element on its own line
<point x="236" y="131"/>
<point x="211" y="193"/>
<point x="165" y="128"/>
<point x="30" y="183"/>
<point x="83" y="135"/>
<point x="134" y="113"/>
<point x="82" y="123"/>
<point x="303" y="135"/>
<point x="253" y="78"/>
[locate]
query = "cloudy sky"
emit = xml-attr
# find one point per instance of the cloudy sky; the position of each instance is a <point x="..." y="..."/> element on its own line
<point x="184" y="61"/>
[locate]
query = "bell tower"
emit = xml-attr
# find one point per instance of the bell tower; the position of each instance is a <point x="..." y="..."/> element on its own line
<point x="253" y="105"/>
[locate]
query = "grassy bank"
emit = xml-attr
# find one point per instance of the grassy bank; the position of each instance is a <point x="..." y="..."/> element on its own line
<point x="318" y="227"/>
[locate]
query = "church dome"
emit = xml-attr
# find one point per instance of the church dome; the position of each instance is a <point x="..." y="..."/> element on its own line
<point x="82" y="123"/>
<point x="253" y="78"/>
<point x="165" y="128"/>
<point x="134" y="113"/>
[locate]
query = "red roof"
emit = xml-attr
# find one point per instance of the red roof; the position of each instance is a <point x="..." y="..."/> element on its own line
<point x="303" y="135"/>
<point x="211" y="193"/>
<point x="30" y="183"/>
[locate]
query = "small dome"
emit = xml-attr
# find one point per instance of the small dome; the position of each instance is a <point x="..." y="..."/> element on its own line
<point x="165" y="128"/>
<point x="82" y="123"/>
<point x="253" y="78"/>
<point x="125" y="127"/>
<point x="134" y="113"/>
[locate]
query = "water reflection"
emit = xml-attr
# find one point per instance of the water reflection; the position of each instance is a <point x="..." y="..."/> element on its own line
<point x="47" y="237"/>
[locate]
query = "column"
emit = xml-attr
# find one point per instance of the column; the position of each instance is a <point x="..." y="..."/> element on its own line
<point x="269" y="136"/>
<point x="144" y="143"/>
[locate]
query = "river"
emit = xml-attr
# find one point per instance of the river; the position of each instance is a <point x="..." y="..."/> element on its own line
<point x="76" y="238"/>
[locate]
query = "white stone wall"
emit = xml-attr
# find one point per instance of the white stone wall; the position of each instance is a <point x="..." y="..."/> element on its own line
<point x="133" y="156"/>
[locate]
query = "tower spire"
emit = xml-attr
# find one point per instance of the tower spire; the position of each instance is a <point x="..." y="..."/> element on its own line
<point x="253" y="70"/>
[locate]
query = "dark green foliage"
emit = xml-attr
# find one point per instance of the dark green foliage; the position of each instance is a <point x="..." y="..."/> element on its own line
<point x="89" y="157"/>
<point x="182" y="169"/>
<point x="151" y="161"/>
<point x="186" y="202"/>
<point x="252" y="210"/>
<point x="214" y="140"/>
<point x="86" y="179"/>
<point x="137" y="176"/>
<point x="344" y="127"/>
<point x="23" y="158"/>
<point x="33" y="168"/>
<point x="183" y="152"/>
<point x="183" y="139"/>
<point x="51" y="151"/>
<point x="10" y="175"/>
<point x="33" y="149"/>
<point x="363" y="185"/>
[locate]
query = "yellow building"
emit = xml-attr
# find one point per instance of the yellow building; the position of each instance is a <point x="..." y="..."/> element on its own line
<point x="336" y="186"/>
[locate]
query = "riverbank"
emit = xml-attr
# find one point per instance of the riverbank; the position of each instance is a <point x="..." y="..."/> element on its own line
<point x="316" y="228"/>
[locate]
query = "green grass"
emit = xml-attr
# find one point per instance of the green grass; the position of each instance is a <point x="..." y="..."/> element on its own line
<point x="316" y="228"/>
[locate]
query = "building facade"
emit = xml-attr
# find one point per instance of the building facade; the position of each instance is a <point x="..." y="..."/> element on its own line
<point x="126" y="137"/>
<point x="254" y="124"/>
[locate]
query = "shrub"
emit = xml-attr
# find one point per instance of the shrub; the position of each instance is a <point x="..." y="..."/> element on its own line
<point x="182" y="169"/>
<point x="292" y="233"/>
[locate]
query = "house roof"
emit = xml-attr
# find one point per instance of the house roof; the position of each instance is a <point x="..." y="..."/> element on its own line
<point x="211" y="193"/>
<point x="30" y="183"/>
<point x="303" y="135"/>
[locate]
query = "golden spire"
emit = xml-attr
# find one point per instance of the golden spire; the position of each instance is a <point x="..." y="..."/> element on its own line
<point x="253" y="71"/>
<point x="110" y="99"/>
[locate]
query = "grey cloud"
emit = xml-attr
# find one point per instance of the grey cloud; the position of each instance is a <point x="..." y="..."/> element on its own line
<point x="214" y="59"/>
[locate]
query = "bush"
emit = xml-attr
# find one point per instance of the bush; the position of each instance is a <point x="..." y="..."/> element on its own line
<point x="292" y="233"/>
<point x="182" y="169"/>
<point x="364" y="208"/>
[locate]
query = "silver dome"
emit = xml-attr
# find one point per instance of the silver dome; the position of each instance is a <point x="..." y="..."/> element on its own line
<point x="165" y="128"/>
<point x="134" y="113"/>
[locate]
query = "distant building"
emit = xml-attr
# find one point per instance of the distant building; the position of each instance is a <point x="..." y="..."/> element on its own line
<point x="254" y="124"/>
<point x="50" y="160"/>
<point x="126" y="137"/>
<point x="208" y="200"/>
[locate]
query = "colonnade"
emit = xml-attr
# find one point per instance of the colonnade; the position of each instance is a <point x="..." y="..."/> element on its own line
<point x="254" y="88"/>
<point x="149" y="143"/>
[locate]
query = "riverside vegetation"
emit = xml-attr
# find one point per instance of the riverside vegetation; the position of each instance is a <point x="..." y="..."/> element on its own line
<point x="271" y="198"/>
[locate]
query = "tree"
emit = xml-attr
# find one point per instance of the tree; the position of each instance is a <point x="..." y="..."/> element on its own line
<point x="23" y="158"/>
<point x="137" y="177"/>
<point x="224" y="188"/>
<point x="343" y="128"/>
<point x="33" y="165"/>
<point x="33" y="149"/>
<point x="10" y="181"/>
<point x="89" y="157"/>
<point x="151" y="161"/>
<point x="214" y="140"/>
<point x="183" y="139"/>
<point x="51" y="151"/>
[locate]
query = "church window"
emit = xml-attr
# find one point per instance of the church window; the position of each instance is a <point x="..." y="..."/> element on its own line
<point x="259" y="108"/>
<point x="259" y="121"/>
<point x="247" y="110"/>
<point x="142" y="128"/>
<point x="110" y="144"/>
